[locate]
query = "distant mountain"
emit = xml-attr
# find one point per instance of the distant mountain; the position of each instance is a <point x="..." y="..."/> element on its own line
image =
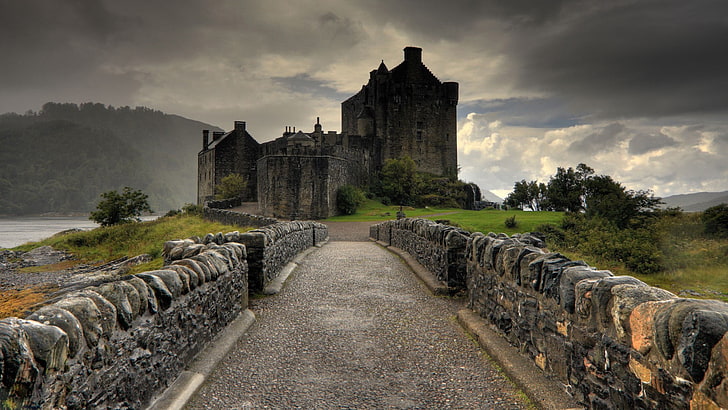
<point x="61" y="158"/>
<point x="489" y="196"/>
<point x="696" y="202"/>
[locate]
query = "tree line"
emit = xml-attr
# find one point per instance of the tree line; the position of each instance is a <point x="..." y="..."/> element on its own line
<point x="580" y="189"/>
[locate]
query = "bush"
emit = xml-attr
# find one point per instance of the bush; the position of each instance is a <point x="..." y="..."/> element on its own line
<point x="511" y="222"/>
<point x="348" y="199"/>
<point x="715" y="219"/>
<point x="116" y="208"/>
<point x="231" y="186"/>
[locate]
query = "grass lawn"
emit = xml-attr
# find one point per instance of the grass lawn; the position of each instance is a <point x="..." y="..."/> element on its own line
<point x="487" y="220"/>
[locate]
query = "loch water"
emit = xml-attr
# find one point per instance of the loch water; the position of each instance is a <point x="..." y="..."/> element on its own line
<point x="16" y="231"/>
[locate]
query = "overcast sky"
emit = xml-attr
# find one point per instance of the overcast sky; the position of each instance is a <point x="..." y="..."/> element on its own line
<point x="635" y="89"/>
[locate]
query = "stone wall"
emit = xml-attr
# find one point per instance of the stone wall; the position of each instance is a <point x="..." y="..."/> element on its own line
<point x="613" y="341"/>
<point x="270" y="248"/>
<point x="228" y="217"/>
<point x="440" y="248"/>
<point x="118" y="343"/>
<point x="300" y="186"/>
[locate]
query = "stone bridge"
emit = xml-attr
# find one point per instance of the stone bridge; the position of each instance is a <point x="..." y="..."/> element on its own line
<point x="607" y="341"/>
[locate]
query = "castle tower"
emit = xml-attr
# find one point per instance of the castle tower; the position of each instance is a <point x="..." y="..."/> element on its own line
<point x="412" y="114"/>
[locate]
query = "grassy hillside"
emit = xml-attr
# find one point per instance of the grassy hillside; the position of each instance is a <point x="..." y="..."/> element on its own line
<point x="61" y="158"/>
<point x="105" y="244"/>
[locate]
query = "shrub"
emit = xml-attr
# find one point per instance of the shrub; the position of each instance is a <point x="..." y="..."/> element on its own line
<point x="715" y="219"/>
<point x="511" y="222"/>
<point x="348" y="199"/>
<point x="231" y="186"/>
<point x="115" y="208"/>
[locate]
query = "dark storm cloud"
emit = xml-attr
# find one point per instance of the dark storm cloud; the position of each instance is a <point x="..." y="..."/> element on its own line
<point x="532" y="112"/>
<point x="304" y="84"/>
<point x="642" y="144"/>
<point x="631" y="58"/>
<point x="601" y="140"/>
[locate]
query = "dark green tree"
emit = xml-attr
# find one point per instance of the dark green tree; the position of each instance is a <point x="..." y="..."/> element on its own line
<point x="608" y="199"/>
<point x="231" y="186"/>
<point x="565" y="190"/>
<point x="115" y="208"/>
<point x="527" y="195"/>
<point x="715" y="219"/>
<point x="400" y="181"/>
<point x="348" y="199"/>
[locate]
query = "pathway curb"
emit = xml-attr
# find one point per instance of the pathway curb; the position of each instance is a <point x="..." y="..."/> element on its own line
<point x="544" y="392"/>
<point x="189" y="381"/>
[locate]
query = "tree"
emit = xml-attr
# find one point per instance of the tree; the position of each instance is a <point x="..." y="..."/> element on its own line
<point x="116" y="208"/>
<point x="608" y="199"/>
<point x="400" y="181"/>
<point x="348" y="199"/>
<point x="715" y="219"/>
<point x="566" y="188"/>
<point x="527" y="195"/>
<point x="231" y="186"/>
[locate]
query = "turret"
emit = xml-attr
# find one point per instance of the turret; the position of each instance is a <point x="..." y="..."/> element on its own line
<point x="413" y="54"/>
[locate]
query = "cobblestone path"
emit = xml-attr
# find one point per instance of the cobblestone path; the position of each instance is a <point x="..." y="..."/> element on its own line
<point x="354" y="328"/>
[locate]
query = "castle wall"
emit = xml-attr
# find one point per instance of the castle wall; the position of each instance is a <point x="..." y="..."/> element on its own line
<point x="300" y="187"/>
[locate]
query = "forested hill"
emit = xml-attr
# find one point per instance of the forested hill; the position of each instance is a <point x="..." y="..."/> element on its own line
<point x="61" y="158"/>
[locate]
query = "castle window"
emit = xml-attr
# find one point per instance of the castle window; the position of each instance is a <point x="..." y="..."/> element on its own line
<point x="419" y="125"/>
<point x="419" y="136"/>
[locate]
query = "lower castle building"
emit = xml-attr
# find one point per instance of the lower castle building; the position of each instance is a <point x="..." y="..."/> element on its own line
<point x="405" y="111"/>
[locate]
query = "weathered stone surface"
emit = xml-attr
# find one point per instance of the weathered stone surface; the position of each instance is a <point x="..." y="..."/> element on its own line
<point x="570" y="277"/>
<point x="49" y="344"/>
<point x="125" y="313"/>
<point x="628" y="296"/>
<point x="163" y="296"/>
<point x="55" y="316"/>
<point x="85" y="310"/>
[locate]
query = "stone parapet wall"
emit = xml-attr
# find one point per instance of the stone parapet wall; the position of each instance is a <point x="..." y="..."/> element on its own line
<point x="224" y="203"/>
<point x="613" y="340"/>
<point x="116" y="344"/>
<point x="271" y="247"/>
<point x="228" y="217"/>
<point x="440" y="248"/>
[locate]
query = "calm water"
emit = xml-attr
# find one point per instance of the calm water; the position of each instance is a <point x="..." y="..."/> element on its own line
<point x="17" y="231"/>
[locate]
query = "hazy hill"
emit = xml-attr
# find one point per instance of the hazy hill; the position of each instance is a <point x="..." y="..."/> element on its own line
<point x="61" y="158"/>
<point x="696" y="202"/>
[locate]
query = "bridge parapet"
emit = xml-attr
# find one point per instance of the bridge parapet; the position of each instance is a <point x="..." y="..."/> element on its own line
<point x="119" y="342"/>
<point x="613" y="341"/>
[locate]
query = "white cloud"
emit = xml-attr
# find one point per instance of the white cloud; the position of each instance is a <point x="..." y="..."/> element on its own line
<point x="496" y="160"/>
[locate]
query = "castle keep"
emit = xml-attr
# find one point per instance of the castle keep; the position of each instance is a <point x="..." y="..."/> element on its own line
<point x="405" y="111"/>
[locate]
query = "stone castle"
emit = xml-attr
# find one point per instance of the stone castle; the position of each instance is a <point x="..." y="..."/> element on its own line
<point x="405" y="111"/>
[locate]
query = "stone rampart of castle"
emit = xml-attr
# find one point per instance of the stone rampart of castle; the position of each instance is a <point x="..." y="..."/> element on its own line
<point x="613" y="341"/>
<point x="117" y="344"/>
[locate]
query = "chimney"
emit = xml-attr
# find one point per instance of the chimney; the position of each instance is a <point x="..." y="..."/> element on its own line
<point x="216" y="135"/>
<point x="205" y="138"/>
<point x="239" y="125"/>
<point x="413" y="54"/>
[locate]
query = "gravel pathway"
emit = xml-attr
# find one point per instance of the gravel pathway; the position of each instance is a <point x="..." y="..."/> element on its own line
<point x="354" y="328"/>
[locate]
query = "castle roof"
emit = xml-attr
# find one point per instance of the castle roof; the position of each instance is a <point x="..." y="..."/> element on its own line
<point x="299" y="136"/>
<point x="217" y="141"/>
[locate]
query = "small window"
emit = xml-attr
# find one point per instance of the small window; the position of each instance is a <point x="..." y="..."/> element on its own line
<point x="419" y="135"/>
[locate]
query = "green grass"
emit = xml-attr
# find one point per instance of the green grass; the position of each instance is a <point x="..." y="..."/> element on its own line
<point x="113" y="242"/>
<point x="487" y="220"/>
